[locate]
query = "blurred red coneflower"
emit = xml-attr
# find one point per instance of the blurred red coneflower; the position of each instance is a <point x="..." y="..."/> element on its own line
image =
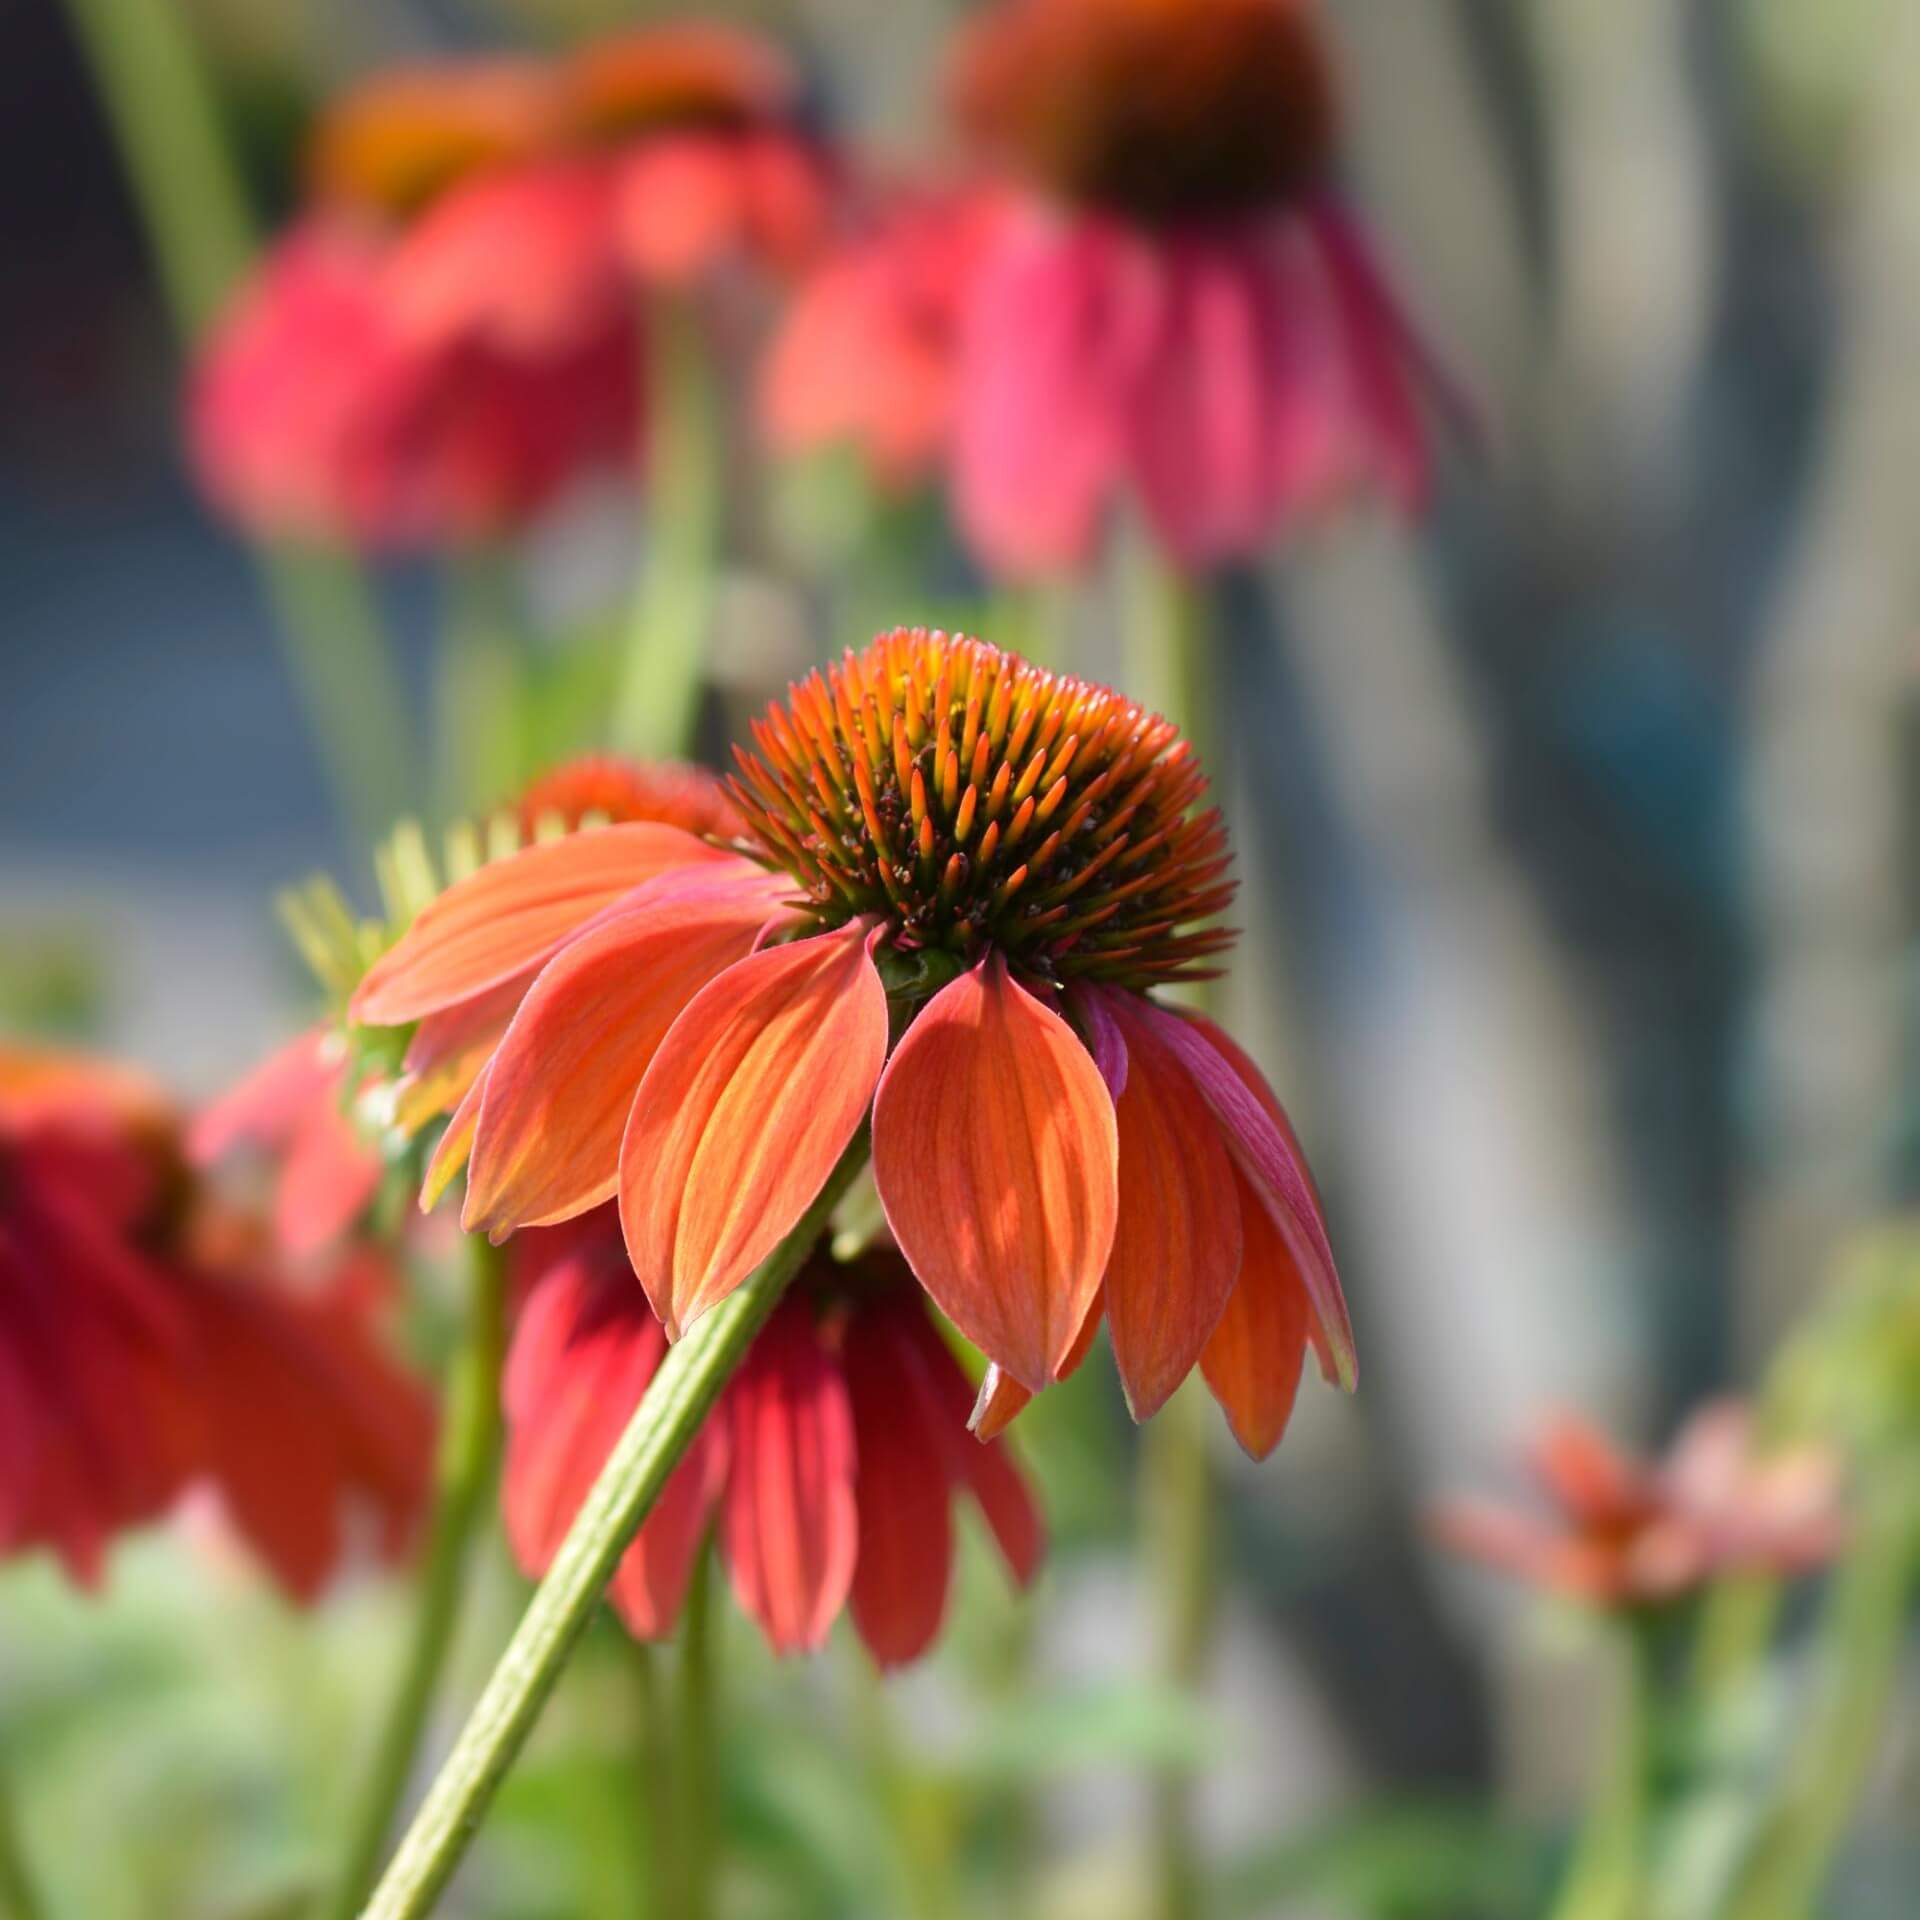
<point x="147" y="1345"/>
<point x="1178" y="304"/>
<point x="1623" y="1535"/>
<point x="866" y="352"/>
<point x="832" y="1462"/>
<point x="968" y="879"/>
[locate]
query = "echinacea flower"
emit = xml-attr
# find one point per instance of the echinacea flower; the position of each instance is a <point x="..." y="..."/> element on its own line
<point x="314" y="414"/>
<point x="1177" y="305"/>
<point x="968" y="878"/>
<point x="148" y="1347"/>
<point x="1622" y="1535"/>
<point x="289" y="1111"/>
<point x="831" y="1465"/>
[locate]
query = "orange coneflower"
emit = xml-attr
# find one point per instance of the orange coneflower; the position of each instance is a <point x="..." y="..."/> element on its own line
<point x="832" y="1462"/>
<point x="147" y="1346"/>
<point x="968" y="880"/>
<point x="1623" y="1535"/>
<point x="1176" y="303"/>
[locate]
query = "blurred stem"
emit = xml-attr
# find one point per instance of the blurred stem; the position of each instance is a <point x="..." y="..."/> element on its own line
<point x="1863" y="1638"/>
<point x="167" y="126"/>
<point x="657" y="706"/>
<point x="921" y="1833"/>
<point x="19" y="1892"/>
<point x="654" y="1768"/>
<point x="695" y="1757"/>
<point x="656" y="1438"/>
<point x="1036" y="622"/>
<point x="469" y="1445"/>
<point x="480" y="752"/>
<point x="1608" y="1877"/>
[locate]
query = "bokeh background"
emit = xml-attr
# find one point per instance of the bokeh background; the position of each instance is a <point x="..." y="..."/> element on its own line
<point x="1582" y="946"/>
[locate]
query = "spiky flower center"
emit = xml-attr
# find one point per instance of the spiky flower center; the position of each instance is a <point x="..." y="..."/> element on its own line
<point x="1162" y="110"/>
<point x="971" y="801"/>
<point x="604" y="786"/>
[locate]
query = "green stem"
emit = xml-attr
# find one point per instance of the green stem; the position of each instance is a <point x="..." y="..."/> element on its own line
<point x="657" y="707"/>
<point x="1863" y="1638"/>
<point x="479" y="750"/>
<point x="167" y="125"/>
<point x="661" y="1430"/>
<point x="1609" y="1877"/>
<point x="19" y="1892"/>
<point x="695" y="1759"/>
<point x="654" y="1777"/>
<point x="1177" y="1529"/>
<point x="469" y="1446"/>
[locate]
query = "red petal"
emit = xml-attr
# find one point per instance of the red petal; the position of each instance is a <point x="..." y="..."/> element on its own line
<point x="564" y="1078"/>
<point x="750" y="1100"/>
<point x="905" y="1560"/>
<point x="1176" y="1250"/>
<point x="515" y="913"/>
<point x="583" y="1353"/>
<point x="263" y="1108"/>
<point x="1267" y="1151"/>
<point x="1252" y="1361"/>
<point x="984" y="1468"/>
<point x="329" y="1179"/>
<point x="789" y="1525"/>
<point x="995" y="1153"/>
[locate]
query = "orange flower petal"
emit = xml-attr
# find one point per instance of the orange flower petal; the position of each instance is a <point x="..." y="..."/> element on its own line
<point x="564" y="1078"/>
<point x="1267" y="1151"/>
<point x="447" y="1052"/>
<point x="750" y="1100"/>
<point x="1002" y="1399"/>
<point x="513" y="914"/>
<point x="450" y="1156"/>
<point x="1252" y="1360"/>
<point x="995" y="1152"/>
<point x="1176" y="1250"/>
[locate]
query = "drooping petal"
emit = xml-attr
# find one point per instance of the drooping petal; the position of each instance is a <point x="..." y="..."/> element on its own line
<point x="905" y="1560"/>
<point x="264" y="1107"/>
<point x="1253" y="1359"/>
<point x="1267" y="1152"/>
<point x="515" y="913"/>
<point x="1176" y="1249"/>
<point x="983" y="1467"/>
<point x="996" y="1154"/>
<point x="563" y="1080"/>
<point x="1059" y="324"/>
<point x="328" y="1180"/>
<point x="584" y="1350"/>
<point x="1002" y="1399"/>
<point x="448" y="1050"/>
<point x="750" y="1100"/>
<point x="450" y="1156"/>
<point x="679" y="207"/>
<point x="789" y="1526"/>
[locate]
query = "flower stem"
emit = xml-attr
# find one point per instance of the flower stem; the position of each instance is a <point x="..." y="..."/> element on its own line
<point x="1608" y="1878"/>
<point x="479" y="753"/>
<point x="167" y="125"/>
<point x="657" y="706"/>
<point x="1862" y="1642"/>
<point x="19" y="1892"/>
<point x="695" y="1759"/>
<point x="661" y="1430"/>
<point x="469" y="1445"/>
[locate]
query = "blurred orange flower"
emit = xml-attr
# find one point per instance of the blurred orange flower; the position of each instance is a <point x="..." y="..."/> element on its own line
<point x="703" y="1031"/>
<point x="147" y="1345"/>
<point x="1623" y="1535"/>
<point x="832" y="1462"/>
